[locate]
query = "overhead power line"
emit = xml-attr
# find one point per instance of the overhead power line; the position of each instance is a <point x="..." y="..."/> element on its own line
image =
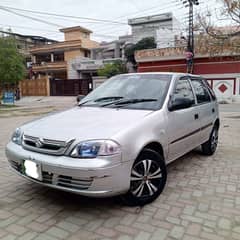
<point x="109" y="29"/>
<point x="94" y="20"/>
<point x="103" y="31"/>
<point x="32" y="18"/>
<point x="62" y="15"/>
<point x="149" y="9"/>
<point x="99" y="33"/>
<point x="51" y="31"/>
<point x="153" y="10"/>
<point x="30" y="28"/>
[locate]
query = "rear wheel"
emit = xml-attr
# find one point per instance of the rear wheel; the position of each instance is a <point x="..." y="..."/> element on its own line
<point x="148" y="178"/>
<point x="209" y="147"/>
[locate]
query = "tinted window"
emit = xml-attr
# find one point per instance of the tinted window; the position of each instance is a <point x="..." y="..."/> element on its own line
<point x="184" y="90"/>
<point x="201" y="91"/>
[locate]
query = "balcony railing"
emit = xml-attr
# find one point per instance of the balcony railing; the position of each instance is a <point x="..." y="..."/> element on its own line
<point x="44" y="66"/>
<point x="60" y="46"/>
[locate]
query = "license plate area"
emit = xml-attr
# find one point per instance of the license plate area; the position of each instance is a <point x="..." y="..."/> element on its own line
<point x="32" y="170"/>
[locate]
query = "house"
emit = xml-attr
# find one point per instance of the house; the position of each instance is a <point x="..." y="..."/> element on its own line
<point x="163" y="27"/>
<point x="26" y="42"/>
<point x="219" y="65"/>
<point x="105" y="53"/>
<point x="53" y="60"/>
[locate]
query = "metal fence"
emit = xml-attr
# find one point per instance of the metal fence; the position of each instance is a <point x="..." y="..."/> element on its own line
<point x="70" y="87"/>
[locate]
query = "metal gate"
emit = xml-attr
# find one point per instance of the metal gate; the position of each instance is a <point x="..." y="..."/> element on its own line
<point x="70" y="87"/>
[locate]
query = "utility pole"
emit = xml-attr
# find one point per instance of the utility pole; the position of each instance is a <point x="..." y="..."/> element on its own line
<point x="190" y="46"/>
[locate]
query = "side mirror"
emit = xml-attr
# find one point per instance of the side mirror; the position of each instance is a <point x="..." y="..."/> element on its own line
<point x="79" y="98"/>
<point x="180" y="103"/>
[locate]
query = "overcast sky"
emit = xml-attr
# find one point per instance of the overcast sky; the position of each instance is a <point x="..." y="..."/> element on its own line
<point x="115" y="10"/>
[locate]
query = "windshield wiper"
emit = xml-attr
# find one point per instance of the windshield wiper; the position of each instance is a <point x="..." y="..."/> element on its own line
<point x="101" y="99"/>
<point x="108" y="98"/>
<point x="122" y="103"/>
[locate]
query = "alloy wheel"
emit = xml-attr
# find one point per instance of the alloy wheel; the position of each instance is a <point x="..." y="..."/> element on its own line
<point x="146" y="177"/>
<point x="214" y="140"/>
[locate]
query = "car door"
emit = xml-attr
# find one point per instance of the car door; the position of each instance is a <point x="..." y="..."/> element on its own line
<point x="206" y="108"/>
<point x="183" y="124"/>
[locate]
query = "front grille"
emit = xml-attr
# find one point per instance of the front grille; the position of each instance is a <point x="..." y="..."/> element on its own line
<point x="47" y="177"/>
<point x="15" y="165"/>
<point x="74" y="183"/>
<point x="43" y="145"/>
<point x="58" y="180"/>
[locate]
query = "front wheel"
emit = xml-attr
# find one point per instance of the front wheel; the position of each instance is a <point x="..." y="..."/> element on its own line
<point x="148" y="178"/>
<point x="209" y="147"/>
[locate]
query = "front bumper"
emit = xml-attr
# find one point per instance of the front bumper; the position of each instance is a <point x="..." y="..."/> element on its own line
<point x="101" y="177"/>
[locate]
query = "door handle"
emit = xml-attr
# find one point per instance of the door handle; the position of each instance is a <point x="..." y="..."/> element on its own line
<point x="196" y="116"/>
<point x="213" y="110"/>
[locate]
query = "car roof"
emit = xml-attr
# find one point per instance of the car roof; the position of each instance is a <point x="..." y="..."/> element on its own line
<point x="176" y="74"/>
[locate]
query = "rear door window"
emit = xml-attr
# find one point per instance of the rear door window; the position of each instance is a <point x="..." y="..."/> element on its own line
<point x="201" y="91"/>
<point x="184" y="90"/>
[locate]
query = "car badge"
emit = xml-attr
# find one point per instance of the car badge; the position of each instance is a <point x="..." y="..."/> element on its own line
<point x="39" y="143"/>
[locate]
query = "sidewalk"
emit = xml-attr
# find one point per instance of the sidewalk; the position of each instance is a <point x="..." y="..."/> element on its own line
<point x="38" y="105"/>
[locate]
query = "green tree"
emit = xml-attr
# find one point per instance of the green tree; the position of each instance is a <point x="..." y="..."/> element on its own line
<point x="12" y="68"/>
<point x="112" y="69"/>
<point x="145" y="43"/>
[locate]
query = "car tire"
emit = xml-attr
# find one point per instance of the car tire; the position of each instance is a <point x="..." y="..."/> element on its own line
<point x="209" y="147"/>
<point x="148" y="178"/>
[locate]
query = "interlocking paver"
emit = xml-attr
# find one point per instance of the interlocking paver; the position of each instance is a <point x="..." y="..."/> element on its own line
<point x="38" y="227"/>
<point x="58" y="232"/>
<point x="28" y="236"/>
<point x="125" y="237"/>
<point x="160" y="234"/>
<point x="45" y="237"/>
<point x="224" y="224"/>
<point x="16" y="229"/>
<point x="200" y="202"/>
<point x="194" y="229"/>
<point x="70" y="227"/>
<point x="177" y="232"/>
<point x="106" y="232"/>
<point x="127" y="230"/>
<point x="143" y="236"/>
<point x="9" y="237"/>
<point x="5" y="214"/>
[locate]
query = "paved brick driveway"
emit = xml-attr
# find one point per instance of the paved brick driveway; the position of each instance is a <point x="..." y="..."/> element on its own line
<point x="200" y="201"/>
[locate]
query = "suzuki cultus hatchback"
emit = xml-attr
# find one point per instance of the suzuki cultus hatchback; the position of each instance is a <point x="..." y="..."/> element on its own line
<point x="120" y="137"/>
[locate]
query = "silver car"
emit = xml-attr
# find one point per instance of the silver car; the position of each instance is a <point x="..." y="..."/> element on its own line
<point x="119" y="139"/>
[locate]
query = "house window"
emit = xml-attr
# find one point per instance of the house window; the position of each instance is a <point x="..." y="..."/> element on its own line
<point x="85" y="35"/>
<point x="86" y="54"/>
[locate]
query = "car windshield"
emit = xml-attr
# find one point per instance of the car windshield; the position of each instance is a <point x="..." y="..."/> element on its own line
<point x="133" y="91"/>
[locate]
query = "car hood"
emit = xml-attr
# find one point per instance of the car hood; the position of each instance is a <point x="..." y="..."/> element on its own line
<point x="84" y="123"/>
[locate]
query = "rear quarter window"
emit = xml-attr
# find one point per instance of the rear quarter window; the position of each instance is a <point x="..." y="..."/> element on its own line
<point x="209" y="89"/>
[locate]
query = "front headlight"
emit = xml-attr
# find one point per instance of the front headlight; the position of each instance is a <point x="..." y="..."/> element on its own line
<point x="92" y="149"/>
<point x="17" y="136"/>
